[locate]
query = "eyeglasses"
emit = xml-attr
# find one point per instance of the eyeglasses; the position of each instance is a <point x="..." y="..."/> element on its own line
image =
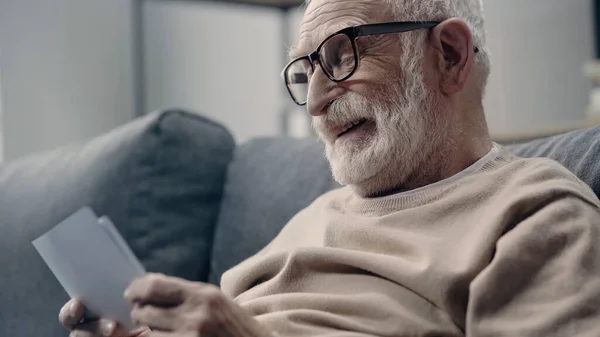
<point x="338" y="55"/>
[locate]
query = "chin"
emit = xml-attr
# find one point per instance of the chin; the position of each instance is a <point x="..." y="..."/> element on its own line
<point x="389" y="155"/>
<point x="353" y="164"/>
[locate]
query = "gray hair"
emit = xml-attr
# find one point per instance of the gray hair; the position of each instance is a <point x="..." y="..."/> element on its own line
<point x="470" y="11"/>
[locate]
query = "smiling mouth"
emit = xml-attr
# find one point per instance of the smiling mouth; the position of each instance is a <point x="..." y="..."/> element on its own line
<point x="351" y="126"/>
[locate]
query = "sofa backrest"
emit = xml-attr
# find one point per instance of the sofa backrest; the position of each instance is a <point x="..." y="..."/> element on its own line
<point x="270" y="180"/>
<point x="578" y="151"/>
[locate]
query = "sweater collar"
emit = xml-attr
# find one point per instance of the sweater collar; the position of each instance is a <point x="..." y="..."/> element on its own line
<point x="496" y="157"/>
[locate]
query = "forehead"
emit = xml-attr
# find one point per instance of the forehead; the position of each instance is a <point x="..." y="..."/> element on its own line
<point x="325" y="17"/>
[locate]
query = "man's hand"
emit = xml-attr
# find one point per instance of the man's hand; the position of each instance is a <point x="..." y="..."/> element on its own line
<point x="173" y="307"/>
<point x="71" y="316"/>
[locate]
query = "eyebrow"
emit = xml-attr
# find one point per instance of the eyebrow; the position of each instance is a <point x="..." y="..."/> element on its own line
<point x="294" y="52"/>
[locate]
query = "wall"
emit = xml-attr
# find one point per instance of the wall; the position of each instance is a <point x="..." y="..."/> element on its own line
<point x="217" y="59"/>
<point x="539" y="48"/>
<point x="67" y="66"/>
<point x="222" y="61"/>
<point x="66" y="71"/>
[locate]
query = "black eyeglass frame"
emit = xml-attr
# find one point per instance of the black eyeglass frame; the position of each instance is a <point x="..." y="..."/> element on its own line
<point x="353" y="33"/>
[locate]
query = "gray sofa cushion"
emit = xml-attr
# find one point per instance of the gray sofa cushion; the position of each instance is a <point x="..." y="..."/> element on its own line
<point x="159" y="179"/>
<point x="268" y="182"/>
<point x="578" y="151"/>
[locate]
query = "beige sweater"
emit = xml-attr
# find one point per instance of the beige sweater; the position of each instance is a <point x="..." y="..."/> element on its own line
<point x="510" y="247"/>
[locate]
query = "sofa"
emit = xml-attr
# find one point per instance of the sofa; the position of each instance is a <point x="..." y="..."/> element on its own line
<point x="188" y="200"/>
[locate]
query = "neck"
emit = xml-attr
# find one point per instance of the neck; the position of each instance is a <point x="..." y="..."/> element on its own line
<point x="451" y="156"/>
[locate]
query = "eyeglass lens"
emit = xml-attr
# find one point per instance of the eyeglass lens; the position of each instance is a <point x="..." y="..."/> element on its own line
<point x="337" y="59"/>
<point x="297" y="76"/>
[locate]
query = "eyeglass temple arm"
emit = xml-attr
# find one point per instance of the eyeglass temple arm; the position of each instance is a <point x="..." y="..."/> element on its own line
<point x="393" y="27"/>
<point x="396" y="27"/>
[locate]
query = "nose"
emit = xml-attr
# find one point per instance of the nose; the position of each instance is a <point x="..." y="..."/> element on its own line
<point x="321" y="91"/>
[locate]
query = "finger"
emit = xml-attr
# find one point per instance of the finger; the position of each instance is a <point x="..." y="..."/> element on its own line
<point x="106" y="328"/>
<point x="141" y="332"/>
<point x="98" y="328"/>
<point x="155" y="317"/>
<point x="170" y="334"/>
<point x="157" y="289"/>
<point x="71" y="313"/>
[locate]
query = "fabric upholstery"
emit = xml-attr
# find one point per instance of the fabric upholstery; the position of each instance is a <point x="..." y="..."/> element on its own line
<point x="268" y="182"/>
<point x="160" y="180"/>
<point x="578" y="151"/>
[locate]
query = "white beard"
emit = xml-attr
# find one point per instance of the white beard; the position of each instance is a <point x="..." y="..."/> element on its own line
<point x="408" y="131"/>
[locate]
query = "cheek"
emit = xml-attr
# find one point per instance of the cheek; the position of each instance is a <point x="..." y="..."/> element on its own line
<point x="377" y="69"/>
<point x="372" y="75"/>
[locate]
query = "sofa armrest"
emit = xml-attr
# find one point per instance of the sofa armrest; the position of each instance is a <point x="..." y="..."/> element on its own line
<point x="159" y="178"/>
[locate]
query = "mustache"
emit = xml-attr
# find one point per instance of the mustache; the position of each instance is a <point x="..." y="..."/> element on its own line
<point x="343" y="110"/>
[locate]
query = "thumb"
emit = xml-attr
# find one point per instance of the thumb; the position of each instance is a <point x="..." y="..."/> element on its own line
<point x="141" y="332"/>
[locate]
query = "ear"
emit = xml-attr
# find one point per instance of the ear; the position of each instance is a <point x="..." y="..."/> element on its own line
<point x="454" y="52"/>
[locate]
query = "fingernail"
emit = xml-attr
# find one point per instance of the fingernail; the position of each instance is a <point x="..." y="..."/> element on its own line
<point x="126" y="293"/>
<point x="107" y="328"/>
<point x="72" y="308"/>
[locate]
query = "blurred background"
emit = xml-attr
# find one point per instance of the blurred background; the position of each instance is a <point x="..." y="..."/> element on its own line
<point x="73" y="69"/>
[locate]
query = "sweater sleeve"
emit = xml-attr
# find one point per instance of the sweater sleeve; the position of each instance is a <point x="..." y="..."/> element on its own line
<point x="544" y="279"/>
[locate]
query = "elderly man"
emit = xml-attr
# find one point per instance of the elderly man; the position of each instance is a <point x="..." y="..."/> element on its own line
<point x="438" y="231"/>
